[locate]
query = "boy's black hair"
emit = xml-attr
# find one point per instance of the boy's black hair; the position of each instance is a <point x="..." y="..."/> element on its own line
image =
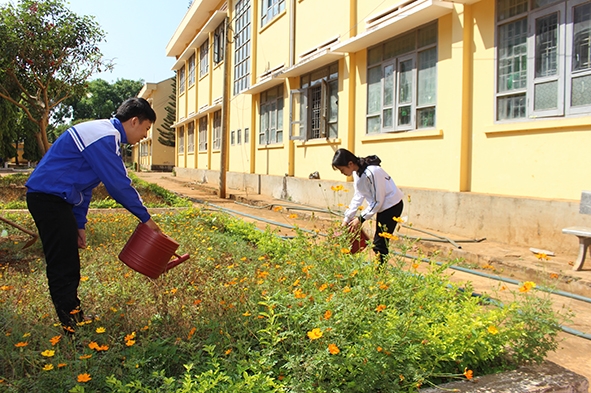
<point x="135" y="107"/>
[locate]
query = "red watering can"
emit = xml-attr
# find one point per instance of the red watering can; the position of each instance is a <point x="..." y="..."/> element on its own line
<point x="149" y="252"/>
<point x="359" y="242"/>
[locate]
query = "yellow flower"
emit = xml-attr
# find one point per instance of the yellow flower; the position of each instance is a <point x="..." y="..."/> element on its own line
<point x="543" y="256"/>
<point x="314" y="334"/>
<point x="27" y="335"/>
<point x="381" y="308"/>
<point x="48" y="367"/>
<point x="6" y="287"/>
<point x="322" y="287"/>
<point x="84" y="377"/>
<point x="468" y="374"/>
<point x="246" y="314"/>
<point x="398" y="220"/>
<point x="337" y="188"/>
<point x="48" y="353"/>
<point x="293" y="215"/>
<point x="100" y="330"/>
<point x="333" y="349"/>
<point x="388" y="236"/>
<point x="327" y="314"/>
<point x="346" y="289"/>
<point x="345" y="251"/>
<point x="228" y="351"/>
<point x="493" y="329"/>
<point x="527" y="286"/>
<point x="84" y="278"/>
<point x="21" y="344"/>
<point x="55" y="339"/>
<point x="296" y="283"/>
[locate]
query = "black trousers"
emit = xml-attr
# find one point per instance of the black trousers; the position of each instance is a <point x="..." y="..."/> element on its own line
<point x="58" y="231"/>
<point x="385" y="223"/>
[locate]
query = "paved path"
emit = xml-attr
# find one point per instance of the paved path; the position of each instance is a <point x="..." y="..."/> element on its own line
<point x="504" y="260"/>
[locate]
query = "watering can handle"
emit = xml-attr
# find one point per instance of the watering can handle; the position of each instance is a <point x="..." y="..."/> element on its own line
<point x="177" y="261"/>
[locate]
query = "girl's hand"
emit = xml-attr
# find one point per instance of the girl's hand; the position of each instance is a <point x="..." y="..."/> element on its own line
<point x="354" y="224"/>
<point x="81" y="238"/>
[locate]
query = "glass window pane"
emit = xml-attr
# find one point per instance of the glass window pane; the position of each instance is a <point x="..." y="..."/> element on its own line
<point x="333" y="108"/>
<point x="404" y="44"/>
<point x="581" y="91"/>
<point x="426" y="117"/>
<point x="427" y="35"/>
<point x="511" y="107"/>
<point x="405" y="82"/>
<point x="388" y="85"/>
<point x="542" y="3"/>
<point x="373" y="124"/>
<point x="582" y="38"/>
<point x="387" y="118"/>
<point x="280" y="113"/>
<point x="546" y="95"/>
<point x="427" y="77"/>
<point x="512" y="54"/>
<point x="547" y="45"/>
<point x="404" y="115"/>
<point x="374" y="93"/>
<point x="509" y="8"/>
<point x="374" y="55"/>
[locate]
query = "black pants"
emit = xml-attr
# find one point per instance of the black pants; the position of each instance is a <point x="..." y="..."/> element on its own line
<point x="58" y="231"/>
<point x="385" y="223"/>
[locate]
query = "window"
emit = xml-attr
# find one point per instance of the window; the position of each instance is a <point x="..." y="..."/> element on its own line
<point x="271" y="116"/>
<point x="181" y="138"/>
<point x="314" y="107"/>
<point x="191" y="75"/>
<point x="242" y="46"/>
<point x="181" y="76"/>
<point x="239" y="137"/>
<point x="401" y="82"/>
<point x="191" y="137"/>
<point x="219" y="43"/>
<point x="204" y="58"/>
<point x="232" y="138"/>
<point x="246" y="135"/>
<point x="546" y="72"/>
<point x="203" y="133"/>
<point x="144" y="149"/>
<point x="217" y="130"/>
<point x="270" y="9"/>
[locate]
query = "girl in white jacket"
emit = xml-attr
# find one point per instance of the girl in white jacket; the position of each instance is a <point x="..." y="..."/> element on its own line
<point x="372" y="183"/>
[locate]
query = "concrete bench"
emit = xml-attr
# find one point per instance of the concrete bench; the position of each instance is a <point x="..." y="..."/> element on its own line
<point x="583" y="233"/>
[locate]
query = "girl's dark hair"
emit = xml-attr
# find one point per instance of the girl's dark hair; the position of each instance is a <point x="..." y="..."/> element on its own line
<point x="135" y="107"/>
<point x="342" y="157"/>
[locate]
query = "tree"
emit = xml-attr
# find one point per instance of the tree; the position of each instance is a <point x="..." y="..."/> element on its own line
<point x="167" y="133"/>
<point x="101" y="99"/>
<point x="8" y="124"/>
<point x="48" y="54"/>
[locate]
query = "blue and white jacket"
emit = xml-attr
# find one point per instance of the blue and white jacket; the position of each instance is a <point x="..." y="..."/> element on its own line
<point x="81" y="158"/>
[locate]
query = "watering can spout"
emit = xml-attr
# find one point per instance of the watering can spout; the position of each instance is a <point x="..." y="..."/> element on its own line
<point x="177" y="261"/>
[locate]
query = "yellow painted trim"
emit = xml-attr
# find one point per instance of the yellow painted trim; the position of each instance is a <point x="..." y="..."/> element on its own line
<point x="467" y="78"/>
<point x="403" y="135"/>
<point x="352" y="99"/>
<point x="271" y="147"/>
<point x="318" y="142"/>
<point x="539" y="125"/>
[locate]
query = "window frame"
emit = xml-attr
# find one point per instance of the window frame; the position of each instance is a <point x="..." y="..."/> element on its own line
<point x="271" y="10"/>
<point x="219" y="43"/>
<point x="203" y="133"/>
<point x="204" y="59"/>
<point x="271" y="133"/>
<point x="242" y="46"/>
<point x="182" y="80"/>
<point x="217" y="130"/>
<point x="191" y="73"/>
<point x="191" y="137"/>
<point x="393" y="53"/>
<point x="564" y="77"/>
<point x="181" y="142"/>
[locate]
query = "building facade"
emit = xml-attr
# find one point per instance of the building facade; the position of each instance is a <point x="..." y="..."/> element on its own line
<point x="149" y="153"/>
<point x="480" y="110"/>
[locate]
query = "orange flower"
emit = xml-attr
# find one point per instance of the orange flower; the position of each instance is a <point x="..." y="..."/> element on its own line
<point x="299" y="294"/>
<point x="293" y="215"/>
<point x="381" y="308"/>
<point x="327" y="314"/>
<point x="333" y="349"/>
<point x="130" y="336"/>
<point x="84" y="357"/>
<point x="528" y="285"/>
<point x="468" y="374"/>
<point x="60" y="365"/>
<point x="130" y="343"/>
<point x="228" y="351"/>
<point x="277" y="208"/>
<point x="55" y="339"/>
<point x="21" y="344"/>
<point x="191" y="333"/>
<point x="84" y="377"/>
<point x="388" y="236"/>
<point x="322" y="287"/>
<point x="315" y="334"/>
<point x="93" y="345"/>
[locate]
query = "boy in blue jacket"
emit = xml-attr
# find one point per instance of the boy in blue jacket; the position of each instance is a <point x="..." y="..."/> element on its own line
<point x="60" y="188"/>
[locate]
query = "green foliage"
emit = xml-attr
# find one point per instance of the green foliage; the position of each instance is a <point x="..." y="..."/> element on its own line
<point x="48" y="54"/>
<point x="250" y="312"/>
<point x="8" y="134"/>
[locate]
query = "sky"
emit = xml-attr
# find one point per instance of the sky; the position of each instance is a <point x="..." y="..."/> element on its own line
<point x="137" y="32"/>
<point x="136" y="35"/>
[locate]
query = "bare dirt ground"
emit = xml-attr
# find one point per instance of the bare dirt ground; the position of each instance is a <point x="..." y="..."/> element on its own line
<point x="504" y="260"/>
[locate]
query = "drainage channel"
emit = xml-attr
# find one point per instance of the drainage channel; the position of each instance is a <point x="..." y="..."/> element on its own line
<point x="574" y="296"/>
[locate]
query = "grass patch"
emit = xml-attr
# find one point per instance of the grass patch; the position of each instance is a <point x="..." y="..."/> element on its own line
<point x="250" y="312"/>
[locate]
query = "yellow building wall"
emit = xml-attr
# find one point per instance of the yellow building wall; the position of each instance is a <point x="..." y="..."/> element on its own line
<point x="318" y="22"/>
<point x="217" y="81"/>
<point x="181" y="105"/>
<point x="273" y="44"/>
<point x="241" y="117"/>
<point x="203" y="93"/>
